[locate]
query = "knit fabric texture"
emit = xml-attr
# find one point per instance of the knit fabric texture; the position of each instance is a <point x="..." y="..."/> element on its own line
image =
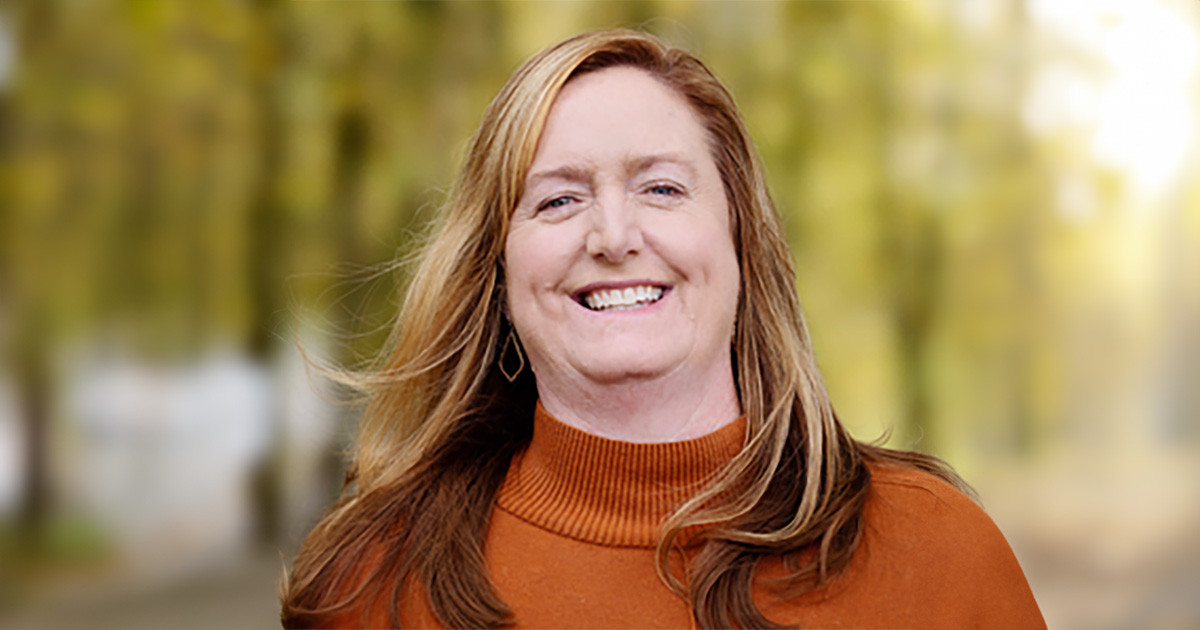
<point x="571" y="544"/>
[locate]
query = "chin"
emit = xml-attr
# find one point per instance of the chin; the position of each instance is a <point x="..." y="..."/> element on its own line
<point x="618" y="369"/>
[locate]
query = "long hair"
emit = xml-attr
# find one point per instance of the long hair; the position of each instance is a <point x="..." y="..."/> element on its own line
<point x="441" y="424"/>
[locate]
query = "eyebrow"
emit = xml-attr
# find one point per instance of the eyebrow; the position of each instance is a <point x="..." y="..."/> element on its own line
<point x="647" y="162"/>
<point x="570" y="173"/>
<point x="633" y="166"/>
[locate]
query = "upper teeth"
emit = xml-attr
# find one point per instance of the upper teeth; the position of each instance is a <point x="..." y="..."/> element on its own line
<point x="629" y="297"/>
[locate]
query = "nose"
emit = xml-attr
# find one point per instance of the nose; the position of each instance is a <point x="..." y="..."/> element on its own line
<point x="616" y="230"/>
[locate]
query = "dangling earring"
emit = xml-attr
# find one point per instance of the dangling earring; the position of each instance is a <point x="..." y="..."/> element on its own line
<point x="511" y="342"/>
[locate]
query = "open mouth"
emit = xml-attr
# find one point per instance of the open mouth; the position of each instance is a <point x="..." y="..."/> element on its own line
<point x="624" y="299"/>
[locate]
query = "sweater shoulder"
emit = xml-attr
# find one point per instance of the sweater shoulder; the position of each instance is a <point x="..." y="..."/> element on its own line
<point x="897" y="479"/>
<point x="924" y="532"/>
<point x="915" y="511"/>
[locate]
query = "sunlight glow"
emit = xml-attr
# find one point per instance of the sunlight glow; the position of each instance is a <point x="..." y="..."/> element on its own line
<point x="1126" y="81"/>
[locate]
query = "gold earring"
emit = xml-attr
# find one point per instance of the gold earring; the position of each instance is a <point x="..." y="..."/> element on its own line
<point x="511" y="341"/>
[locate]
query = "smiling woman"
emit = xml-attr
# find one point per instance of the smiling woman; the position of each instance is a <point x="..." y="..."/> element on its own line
<point x="671" y="457"/>
<point x="620" y="266"/>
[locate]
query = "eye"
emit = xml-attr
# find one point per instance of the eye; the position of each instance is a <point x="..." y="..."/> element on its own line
<point x="555" y="202"/>
<point x="668" y="190"/>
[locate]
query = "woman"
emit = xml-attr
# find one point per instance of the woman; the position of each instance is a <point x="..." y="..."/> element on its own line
<point x="600" y="405"/>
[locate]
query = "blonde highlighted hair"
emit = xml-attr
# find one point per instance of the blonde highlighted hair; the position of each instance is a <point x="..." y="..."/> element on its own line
<point x="442" y="424"/>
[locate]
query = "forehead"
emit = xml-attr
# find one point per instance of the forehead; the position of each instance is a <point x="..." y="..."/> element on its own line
<point x="620" y="110"/>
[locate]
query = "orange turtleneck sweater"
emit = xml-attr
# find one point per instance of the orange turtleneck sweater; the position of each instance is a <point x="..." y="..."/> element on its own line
<point x="571" y="545"/>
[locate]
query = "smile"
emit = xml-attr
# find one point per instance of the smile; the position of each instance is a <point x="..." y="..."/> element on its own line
<point x="625" y="299"/>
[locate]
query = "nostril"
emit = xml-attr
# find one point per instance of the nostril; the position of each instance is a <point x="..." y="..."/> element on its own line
<point x="613" y="246"/>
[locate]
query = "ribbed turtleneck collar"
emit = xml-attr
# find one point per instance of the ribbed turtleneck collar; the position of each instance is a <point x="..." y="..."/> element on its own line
<point x="604" y="491"/>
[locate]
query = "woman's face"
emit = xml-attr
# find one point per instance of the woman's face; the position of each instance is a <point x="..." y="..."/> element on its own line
<point x="620" y="262"/>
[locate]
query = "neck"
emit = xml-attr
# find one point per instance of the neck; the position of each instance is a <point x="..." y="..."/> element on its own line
<point x="669" y="408"/>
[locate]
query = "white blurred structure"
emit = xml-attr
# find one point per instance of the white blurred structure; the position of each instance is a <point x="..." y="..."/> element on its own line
<point x="309" y="426"/>
<point x="12" y="450"/>
<point x="162" y="457"/>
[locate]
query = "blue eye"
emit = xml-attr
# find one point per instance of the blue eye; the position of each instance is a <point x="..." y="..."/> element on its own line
<point x="556" y="202"/>
<point x="664" y="189"/>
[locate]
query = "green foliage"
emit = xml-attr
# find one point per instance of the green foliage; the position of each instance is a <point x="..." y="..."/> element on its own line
<point x="183" y="174"/>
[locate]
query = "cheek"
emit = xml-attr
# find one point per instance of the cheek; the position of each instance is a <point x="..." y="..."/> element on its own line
<point x="727" y="285"/>
<point x="514" y="271"/>
<point x="535" y="265"/>
<point x="706" y="248"/>
<point x="722" y="274"/>
<point x="520" y="260"/>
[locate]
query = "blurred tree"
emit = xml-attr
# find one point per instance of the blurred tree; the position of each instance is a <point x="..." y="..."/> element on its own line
<point x="181" y="176"/>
